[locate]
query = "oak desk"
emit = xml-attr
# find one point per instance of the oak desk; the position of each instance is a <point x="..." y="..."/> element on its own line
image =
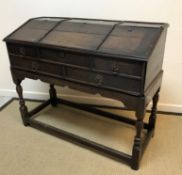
<point x="118" y="59"/>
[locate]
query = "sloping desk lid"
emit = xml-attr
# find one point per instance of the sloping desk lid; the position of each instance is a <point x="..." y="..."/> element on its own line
<point x="135" y="39"/>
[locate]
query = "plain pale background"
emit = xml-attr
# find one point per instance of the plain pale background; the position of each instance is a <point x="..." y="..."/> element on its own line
<point x="15" y="12"/>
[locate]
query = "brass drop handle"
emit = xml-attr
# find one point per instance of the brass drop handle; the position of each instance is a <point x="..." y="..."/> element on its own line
<point x="22" y="51"/>
<point x="99" y="79"/>
<point x="115" y="68"/>
<point x="35" y="66"/>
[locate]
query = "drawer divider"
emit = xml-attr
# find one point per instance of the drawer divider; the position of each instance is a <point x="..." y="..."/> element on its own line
<point x="107" y="36"/>
<point x="51" y="30"/>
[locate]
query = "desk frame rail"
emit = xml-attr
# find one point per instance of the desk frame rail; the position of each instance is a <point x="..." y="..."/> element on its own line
<point x="139" y="146"/>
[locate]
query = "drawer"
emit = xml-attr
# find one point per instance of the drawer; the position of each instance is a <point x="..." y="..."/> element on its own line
<point x="118" y="67"/>
<point x="36" y="66"/>
<point x="22" y="50"/>
<point x="103" y="80"/>
<point x="65" y="57"/>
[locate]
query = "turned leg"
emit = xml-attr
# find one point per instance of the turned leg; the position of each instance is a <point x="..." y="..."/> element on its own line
<point x="53" y="96"/>
<point x="152" y="118"/>
<point x="137" y="146"/>
<point x="23" y="108"/>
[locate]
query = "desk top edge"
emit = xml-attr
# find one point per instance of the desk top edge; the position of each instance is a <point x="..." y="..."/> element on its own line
<point x="163" y="24"/>
<point x="96" y="52"/>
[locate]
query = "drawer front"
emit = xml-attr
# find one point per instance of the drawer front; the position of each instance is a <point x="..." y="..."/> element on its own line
<point x="22" y="50"/>
<point x="103" y="80"/>
<point x="65" y="57"/>
<point x="118" y="67"/>
<point x="36" y="66"/>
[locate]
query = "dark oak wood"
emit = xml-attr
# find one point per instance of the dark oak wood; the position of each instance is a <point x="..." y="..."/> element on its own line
<point x="101" y="113"/>
<point x="118" y="59"/>
<point x="53" y="96"/>
<point x="39" y="108"/>
<point x="23" y="107"/>
<point x="153" y="115"/>
<point x="80" y="140"/>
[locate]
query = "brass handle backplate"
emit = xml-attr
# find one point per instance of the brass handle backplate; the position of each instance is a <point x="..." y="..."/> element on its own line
<point x="35" y="66"/>
<point x="99" y="79"/>
<point x="115" y="68"/>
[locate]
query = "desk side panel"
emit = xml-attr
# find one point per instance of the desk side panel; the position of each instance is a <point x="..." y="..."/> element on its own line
<point x="154" y="64"/>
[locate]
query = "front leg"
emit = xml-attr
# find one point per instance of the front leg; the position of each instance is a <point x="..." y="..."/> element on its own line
<point x="152" y="118"/>
<point x="23" y="107"/>
<point x="53" y="96"/>
<point x="137" y="146"/>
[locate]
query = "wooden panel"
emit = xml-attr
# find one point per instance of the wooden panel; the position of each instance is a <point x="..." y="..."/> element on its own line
<point x="34" y="30"/>
<point x="86" y="26"/>
<point x="103" y="80"/>
<point x="42" y="24"/>
<point x="22" y="50"/>
<point x="131" y="40"/>
<point x="154" y="64"/>
<point x="118" y="67"/>
<point x="27" y="34"/>
<point x="83" y="34"/>
<point x="74" y="40"/>
<point x="60" y="56"/>
<point x="36" y="66"/>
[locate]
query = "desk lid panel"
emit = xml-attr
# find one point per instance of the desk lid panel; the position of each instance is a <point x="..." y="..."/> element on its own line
<point x="34" y="30"/>
<point x="82" y="34"/>
<point x="134" y="39"/>
<point x="86" y="26"/>
<point x="73" y="40"/>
